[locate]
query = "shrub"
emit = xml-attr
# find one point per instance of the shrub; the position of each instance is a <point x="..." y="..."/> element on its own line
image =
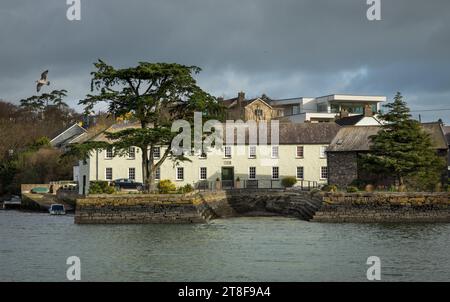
<point x="166" y="186"/>
<point x="288" y="181"/>
<point x="352" y="189"/>
<point x="100" y="187"/>
<point x="359" y="183"/>
<point x="188" y="188"/>
<point x="329" y="188"/>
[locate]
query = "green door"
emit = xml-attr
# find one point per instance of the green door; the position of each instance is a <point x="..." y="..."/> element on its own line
<point x="227" y="177"/>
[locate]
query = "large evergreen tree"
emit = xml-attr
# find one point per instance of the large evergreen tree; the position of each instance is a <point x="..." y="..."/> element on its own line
<point x="401" y="148"/>
<point x="155" y="95"/>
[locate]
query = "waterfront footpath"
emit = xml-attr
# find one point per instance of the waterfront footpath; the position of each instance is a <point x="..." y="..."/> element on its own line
<point x="200" y="207"/>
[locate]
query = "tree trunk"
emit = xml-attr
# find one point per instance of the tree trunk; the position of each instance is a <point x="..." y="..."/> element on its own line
<point x="145" y="169"/>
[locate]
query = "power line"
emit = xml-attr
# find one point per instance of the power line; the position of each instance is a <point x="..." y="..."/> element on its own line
<point x="428" y="110"/>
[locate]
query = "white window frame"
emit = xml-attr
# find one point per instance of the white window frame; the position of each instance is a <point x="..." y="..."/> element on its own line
<point x="278" y="172"/>
<point x="107" y="153"/>
<point x="156" y="152"/>
<point x="303" y="172"/>
<point x="129" y="173"/>
<point x="303" y="152"/>
<point x="321" y="172"/>
<point x="106" y="173"/>
<point x="250" y="173"/>
<point x="323" y="152"/>
<point x="158" y="173"/>
<point x="200" y="173"/>
<point x="132" y="154"/>
<point x="277" y="153"/>
<point x="228" y="154"/>
<point x="177" y="173"/>
<point x="250" y="153"/>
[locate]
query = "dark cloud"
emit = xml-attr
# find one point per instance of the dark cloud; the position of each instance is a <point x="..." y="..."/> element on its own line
<point x="283" y="48"/>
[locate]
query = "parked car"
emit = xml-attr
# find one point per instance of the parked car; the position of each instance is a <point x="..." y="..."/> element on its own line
<point x="57" y="209"/>
<point x="127" y="184"/>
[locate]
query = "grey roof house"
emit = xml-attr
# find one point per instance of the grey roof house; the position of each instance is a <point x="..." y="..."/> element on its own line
<point x="350" y="141"/>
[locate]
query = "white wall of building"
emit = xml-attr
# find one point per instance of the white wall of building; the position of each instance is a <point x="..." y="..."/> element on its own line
<point x="287" y="161"/>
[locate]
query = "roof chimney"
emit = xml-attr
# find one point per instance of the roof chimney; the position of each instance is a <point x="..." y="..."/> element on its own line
<point x="240" y="100"/>
<point x="241" y="97"/>
<point x="220" y="99"/>
<point x="368" y="111"/>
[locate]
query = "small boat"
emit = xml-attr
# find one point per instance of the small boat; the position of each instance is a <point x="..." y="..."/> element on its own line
<point x="57" y="209"/>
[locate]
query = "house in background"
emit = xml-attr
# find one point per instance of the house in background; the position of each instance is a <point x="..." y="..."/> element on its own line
<point x="328" y="108"/>
<point x="68" y="136"/>
<point x="306" y="110"/>
<point x="300" y="152"/>
<point x="351" y="141"/>
<point x="257" y="109"/>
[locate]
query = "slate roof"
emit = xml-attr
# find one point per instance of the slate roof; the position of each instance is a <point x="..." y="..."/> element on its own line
<point x="67" y="136"/>
<point x="289" y="133"/>
<point x="447" y="133"/>
<point x="233" y="102"/>
<point x="357" y="138"/>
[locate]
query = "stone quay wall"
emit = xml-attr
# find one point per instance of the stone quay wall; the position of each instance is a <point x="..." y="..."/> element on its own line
<point x="200" y="207"/>
<point x="259" y="202"/>
<point x="137" y="209"/>
<point x="384" y="207"/>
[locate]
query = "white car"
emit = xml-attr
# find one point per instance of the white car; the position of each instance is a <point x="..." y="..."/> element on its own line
<point x="57" y="209"/>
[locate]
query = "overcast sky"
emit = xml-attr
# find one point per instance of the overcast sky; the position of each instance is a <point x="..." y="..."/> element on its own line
<point x="283" y="48"/>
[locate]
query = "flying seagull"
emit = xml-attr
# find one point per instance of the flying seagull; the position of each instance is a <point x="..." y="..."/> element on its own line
<point x="43" y="81"/>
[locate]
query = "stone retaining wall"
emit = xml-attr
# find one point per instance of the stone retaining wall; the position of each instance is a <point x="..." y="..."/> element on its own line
<point x="117" y="209"/>
<point x="384" y="207"/>
<point x="317" y="207"/>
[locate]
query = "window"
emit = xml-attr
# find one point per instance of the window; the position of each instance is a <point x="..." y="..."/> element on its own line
<point x="324" y="172"/>
<point x="252" y="173"/>
<point x="108" y="173"/>
<point x="295" y="109"/>
<point x="275" y="150"/>
<point x="252" y="152"/>
<point x="109" y="153"/>
<point x="132" y="173"/>
<point x="180" y="173"/>
<point x="300" y="150"/>
<point x="300" y="172"/>
<point x="258" y="112"/>
<point x="156" y="152"/>
<point x="323" y="150"/>
<point x="227" y="151"/>
<point x="275" y="172"/>
<point x="280" y="112"/>
<point x="158" y="173"/>
<point x="203" y="173"/>
<point x="132" y="153"/>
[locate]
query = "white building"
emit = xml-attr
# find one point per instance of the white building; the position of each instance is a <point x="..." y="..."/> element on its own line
<point x="327" y="108"/>
<point x="300" y="152"/>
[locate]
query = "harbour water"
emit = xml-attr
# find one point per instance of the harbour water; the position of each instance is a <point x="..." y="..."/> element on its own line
<point x="35" y="246"/>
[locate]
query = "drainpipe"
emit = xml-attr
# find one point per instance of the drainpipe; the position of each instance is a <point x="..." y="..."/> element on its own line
<point x="96" y="165"/>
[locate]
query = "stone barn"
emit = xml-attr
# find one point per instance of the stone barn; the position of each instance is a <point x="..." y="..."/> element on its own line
<point x="351" y="141"/>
